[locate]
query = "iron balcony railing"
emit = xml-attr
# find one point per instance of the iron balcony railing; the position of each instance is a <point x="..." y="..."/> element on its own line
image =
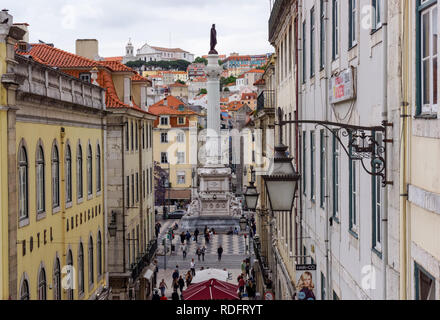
<point x="144" y="260"/>
<point x="266" y="100"/>
<point x="262" y="263"/>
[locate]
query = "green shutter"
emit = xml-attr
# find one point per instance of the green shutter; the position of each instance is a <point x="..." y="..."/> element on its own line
<point x="322" y="168"/>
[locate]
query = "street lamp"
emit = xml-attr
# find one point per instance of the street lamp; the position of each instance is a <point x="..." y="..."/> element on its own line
<point x="251" y="196"/>
<point x="243" y="223"/>
<point x="281" y="184"/>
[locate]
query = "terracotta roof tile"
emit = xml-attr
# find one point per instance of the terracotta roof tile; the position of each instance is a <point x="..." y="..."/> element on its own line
<point x="171" y="108"/>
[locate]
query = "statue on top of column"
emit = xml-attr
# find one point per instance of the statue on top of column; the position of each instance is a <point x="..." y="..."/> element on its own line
<point x="213" y="40"/>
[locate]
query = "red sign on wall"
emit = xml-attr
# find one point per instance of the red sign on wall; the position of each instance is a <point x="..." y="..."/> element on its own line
<point x="342" y="87"/>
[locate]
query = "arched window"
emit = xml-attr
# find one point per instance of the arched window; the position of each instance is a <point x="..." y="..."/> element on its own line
<point x="98" y="169"/>
<point x="40" y="180"/>
<point x="57" y="280"/>
<point x="55" y="178"/>
<point x="24" y="290"/>
<point x="42" y="285"/>
<point x="79" y="173"/>
<point x="23" y="195"/>
<point x="81" y="269"/>
<point x="89" y="171"/>
<point x="71" y="274"/>
<point x="91" y="271"/>
<point x="99" y="254"/>
<point x="68" y="174"/>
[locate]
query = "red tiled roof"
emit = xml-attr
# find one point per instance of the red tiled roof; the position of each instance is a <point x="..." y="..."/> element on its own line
<point x="171" y="108"/>
<point x="260" y="82"/>
<point x="255" y="71"/>
<point x="177" y="84"/>
<point x="119" y="59"/>
<point x="168" y="49"/>
<point x="116" y="66"/>
<point x="55" y="57"/>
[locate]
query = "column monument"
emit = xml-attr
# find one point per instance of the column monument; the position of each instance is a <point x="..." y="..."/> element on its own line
<point x="213" y="205"/>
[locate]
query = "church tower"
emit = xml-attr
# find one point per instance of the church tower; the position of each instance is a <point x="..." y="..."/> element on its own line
<point x="129" y="49"/>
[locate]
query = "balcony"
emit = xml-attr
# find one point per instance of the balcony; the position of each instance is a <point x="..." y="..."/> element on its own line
<point x="144" y="260"/>
<point x="262" y="261"/>
<point x="266" y="100"/>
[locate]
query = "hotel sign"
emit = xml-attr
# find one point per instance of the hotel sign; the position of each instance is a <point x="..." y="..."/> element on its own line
<point x="341" y="87"/>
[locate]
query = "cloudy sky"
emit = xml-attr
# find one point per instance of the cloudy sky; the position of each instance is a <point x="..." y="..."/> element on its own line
<point x="242" y="25"/>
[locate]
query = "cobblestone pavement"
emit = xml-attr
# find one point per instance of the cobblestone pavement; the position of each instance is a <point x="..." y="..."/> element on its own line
<point x="233" y="254"/>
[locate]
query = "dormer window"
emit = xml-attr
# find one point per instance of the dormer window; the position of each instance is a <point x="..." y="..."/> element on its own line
<point x="85" y="77"/>
<point x="163" y="121"/>
<point x="181" y="120"/>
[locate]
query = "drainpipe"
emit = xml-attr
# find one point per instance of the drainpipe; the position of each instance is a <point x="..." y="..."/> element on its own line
<point x="385" y="118"/>
<point x="125" y="123"/>
<point x="297" y="156"/>
<point x="327" y="37"/>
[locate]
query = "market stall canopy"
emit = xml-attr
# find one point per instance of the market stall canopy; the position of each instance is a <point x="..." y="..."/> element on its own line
<point x="212" y="289"/>
<point x="210" y="274"/>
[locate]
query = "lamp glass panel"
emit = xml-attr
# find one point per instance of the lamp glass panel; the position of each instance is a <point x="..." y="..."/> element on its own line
<point x="281" y="194"/>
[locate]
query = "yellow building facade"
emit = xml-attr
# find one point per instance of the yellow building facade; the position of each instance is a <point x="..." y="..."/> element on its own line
<point x="52" y="202"/>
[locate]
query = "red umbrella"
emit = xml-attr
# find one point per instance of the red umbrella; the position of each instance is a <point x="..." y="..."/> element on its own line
<point x="212" y="289"/>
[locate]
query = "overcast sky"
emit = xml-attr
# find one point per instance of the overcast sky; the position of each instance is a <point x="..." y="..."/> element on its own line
<point x="242" y="25"/>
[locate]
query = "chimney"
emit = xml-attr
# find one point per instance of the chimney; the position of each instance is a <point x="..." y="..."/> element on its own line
<point x="165" y="102"/>
<point x="24" y="26"/>
<point x="87" y="48"/>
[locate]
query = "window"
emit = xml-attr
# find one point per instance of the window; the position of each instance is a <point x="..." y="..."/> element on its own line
<point x="425" y="284"/>
<point x="304" y="164"/>
<point x="377" y="196"/>
<point x="40" y="180"/>
<point x="42" y="285"/>
<point x="322" y="286"/>
<point x="164" y="137"/>
<point x="99" y="255"/>
<point x="181" y="120"/>
<point x="181" y="137"/>
<point x="352" y="23"/>
<point x="180" y="157"/>
<point x="79" y="173"/>
<point x="336" y="156"/>
<point x="143" y="136"/>
<point x="71" y="274"/>
<point x="376" y="19"/>
<point x="24" y="290"/>
<point x="137" y="136"/>
<point x="98" y="169"/>
<point x="85" y="77"/>
<point x="147" y="132"/>
<point x="164" y="157"/>
<point x="304" y="56"/>
<point x="151" y="136"/>
<point x="68" y="174"/>
<point x="312" y="42"/>
<point x="132" y="135"/>
<point x="55" y="178"/>
<point x="312" y="167"/>
<point x="151" y="180"/>
<point x="427" y="57"/>
<point x="143" y="184"/>
<point x="23" y="195"/>
<point x="352" y="192"/>
<point x="89" y="171"/>
<point x="147" y="182"/>
<point x="128" y="191"/>
<point x="81" y="269"/>
<point x="322" y="36"/>
<point x="91" y="268"/>
<point x="164" y="121"/>
<point x="335" y="30"/>
<point x="322" y="168"/>
<point x="181" y="177"/>
<point x="137" y="187"/>
<point x="57" y="280"/>
<point x="132" y="190"/>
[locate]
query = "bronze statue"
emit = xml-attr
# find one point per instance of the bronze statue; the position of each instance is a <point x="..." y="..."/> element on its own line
<point x="213" y="40"/>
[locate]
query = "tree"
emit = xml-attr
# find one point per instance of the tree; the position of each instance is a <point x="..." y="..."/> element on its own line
<point x="135" y="64"/>
<point x="226" y="90"/>
<point x="201" y="60"/>
<point x="203" y="91"/>
<point x="225" y="81"/>
<point x="180" y="81"/>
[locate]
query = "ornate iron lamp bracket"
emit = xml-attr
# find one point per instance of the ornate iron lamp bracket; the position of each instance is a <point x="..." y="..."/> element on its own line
<point x="362" y="142"/>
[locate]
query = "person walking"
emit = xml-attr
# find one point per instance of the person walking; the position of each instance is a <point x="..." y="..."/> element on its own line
<point x="175" y="296"/>
<point x="162" y="287"/>
<point x="181" y="283"/>
<point x="198" y="252"/>
<point x="219" y="252"/>
<point x="250" y="289"/>
<point x="184" y="250"/>
<point x="188" y="278"/>
<point x="182" y="237"/>
<point x="241" y="285"/>
<point x="203" y="253"/>
<point x="243" y="267"/>
<point x="156" y="295"/>
<point x="175" y="274"/>
<point x="196" y="234"/>
<point x="188" y="236"/>
<point x="193" y="267"/>
<point x="247" y="268"/>
<point x="207" y="238"/>
<point x="163" y="297"/>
